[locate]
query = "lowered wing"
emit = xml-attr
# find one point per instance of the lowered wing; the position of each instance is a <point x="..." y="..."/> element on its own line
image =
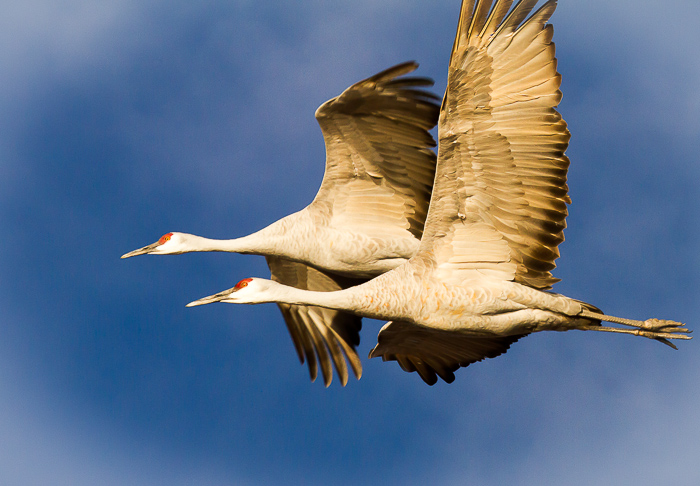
<point x="441" y="353"/>
<point x="321" y="336"/>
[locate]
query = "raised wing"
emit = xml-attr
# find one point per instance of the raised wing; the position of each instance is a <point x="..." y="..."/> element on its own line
<point x="319" y="335"/>
<point x="434" y="353"/>
<point x="379" y="166"/>
<point x="499" y="203"/>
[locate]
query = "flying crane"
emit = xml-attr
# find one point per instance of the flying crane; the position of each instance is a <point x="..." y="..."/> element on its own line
<point x="367" y="217"/>
<point x="480" y="279"/>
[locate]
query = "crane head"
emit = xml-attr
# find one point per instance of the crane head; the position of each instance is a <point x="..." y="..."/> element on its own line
<point x="247" y="291"/>
<point x="168" y="244"/>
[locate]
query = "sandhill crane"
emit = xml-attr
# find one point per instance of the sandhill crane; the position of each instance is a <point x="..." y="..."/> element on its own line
<point x="366" y="218"/>
<point x="496" y="218"/>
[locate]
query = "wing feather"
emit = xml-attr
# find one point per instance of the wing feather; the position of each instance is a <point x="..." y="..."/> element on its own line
<point x="378" y="146"/>
<point x="321" y="336"/>
<point x="499" y="201"/>
<point x="434" y="353"/>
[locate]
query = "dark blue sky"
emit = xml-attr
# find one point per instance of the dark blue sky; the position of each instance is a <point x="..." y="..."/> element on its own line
<point x="123" y="120"/>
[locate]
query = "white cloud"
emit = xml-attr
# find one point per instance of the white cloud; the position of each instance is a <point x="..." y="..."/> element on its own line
<point x="615" y="415"/>
<point x="648" y="47"/>
<point x="43" y="443"/>
<point x="48" y="39"/>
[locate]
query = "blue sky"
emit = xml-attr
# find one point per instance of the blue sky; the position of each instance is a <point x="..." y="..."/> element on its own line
<point x="123" y="120"/>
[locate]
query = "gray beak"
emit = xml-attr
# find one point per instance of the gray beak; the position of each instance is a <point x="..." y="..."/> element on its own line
<point x="141" y="251"/>
<point x="211" y="299"/>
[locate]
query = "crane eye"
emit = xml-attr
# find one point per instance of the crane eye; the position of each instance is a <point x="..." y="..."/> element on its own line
<point x="165" y="238"/>
<point x="243" y="283"/>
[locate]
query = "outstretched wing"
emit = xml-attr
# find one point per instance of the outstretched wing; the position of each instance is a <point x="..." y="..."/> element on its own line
<point x="319" y="335"/>
<point x="379" y="166"/>
<point x="434" y="352"/>
<point x="499" y="203"/>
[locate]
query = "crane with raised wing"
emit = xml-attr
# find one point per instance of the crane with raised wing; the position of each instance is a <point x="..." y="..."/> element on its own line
<point x="367" y="217"/>
<point x="480" y="279"/>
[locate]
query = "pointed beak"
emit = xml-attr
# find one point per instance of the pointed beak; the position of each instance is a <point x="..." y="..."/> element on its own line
<point x="141" y="251"/>
<point x="211" y="299"/>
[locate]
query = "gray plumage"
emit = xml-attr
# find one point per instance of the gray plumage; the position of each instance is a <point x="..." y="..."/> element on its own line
<point x="497" y="213"/>
<point x="367" y="217"/>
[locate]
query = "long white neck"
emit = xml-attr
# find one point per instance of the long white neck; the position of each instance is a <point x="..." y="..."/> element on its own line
<point x="271" y="240"/>
<point x="246" y="244"/>
<point x="341" y="299"/>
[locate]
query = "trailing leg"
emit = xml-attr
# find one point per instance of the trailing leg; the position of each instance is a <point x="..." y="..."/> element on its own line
<point x="659" y="329"/>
